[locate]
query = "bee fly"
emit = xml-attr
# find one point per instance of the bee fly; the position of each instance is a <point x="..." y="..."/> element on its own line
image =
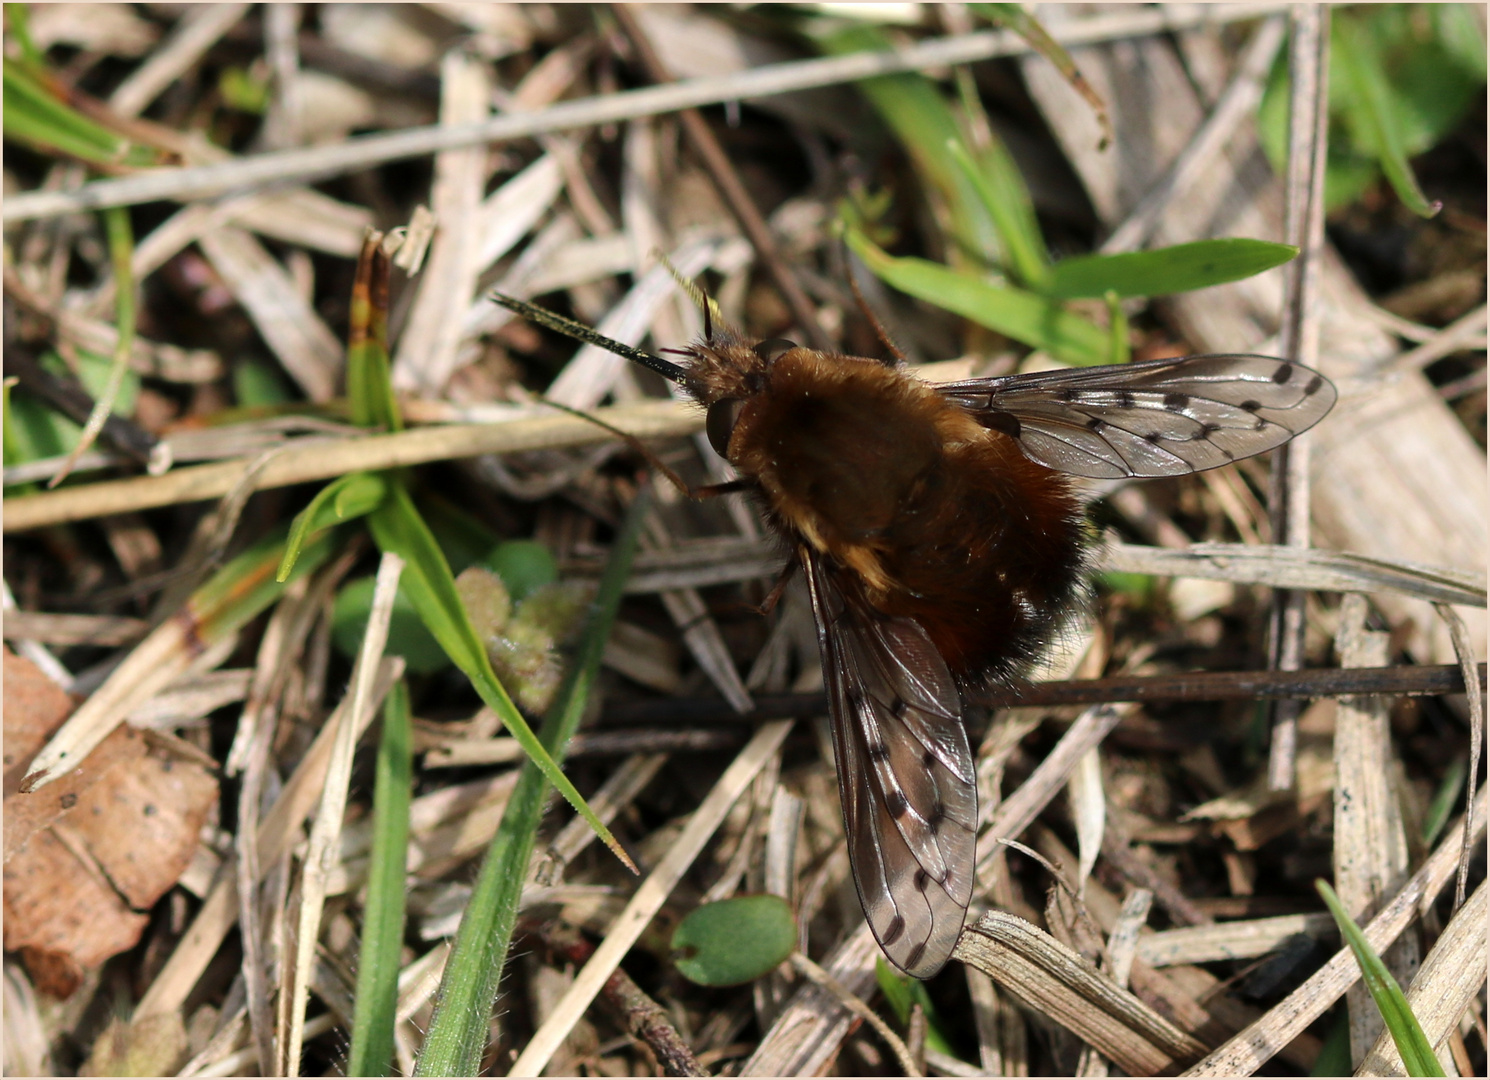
<point x="941" y="543"/>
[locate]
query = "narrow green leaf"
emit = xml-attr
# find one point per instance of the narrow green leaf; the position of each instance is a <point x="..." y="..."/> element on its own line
<point x="459" y="1029"/>
<point x="1417" y="1052"/>
<point x="383" y="914"/>
<point x="1444" y="800"/>
<point x="246" y="585"/>
<point x="1001" y="189"/>
<point x="397" y="527"/>
<point x="346" y="497"/>
<point x="901" y="991"/>
<point x="915" y="110"/>
<point x="1161" y="271"/>
<point x="1034" y="320"/>
<point x="1372" y="105"/>
<point x="1117" y="328"/>
<point x="1016" y="18"/>
<point x="734" y="941"/>
<point x="1334" y="1055"/>
<point x="369" y="382"/>
<point x="35" y="116"/>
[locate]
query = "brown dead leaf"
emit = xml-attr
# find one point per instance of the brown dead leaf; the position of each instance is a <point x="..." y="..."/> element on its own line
<point x="83" y="864"/>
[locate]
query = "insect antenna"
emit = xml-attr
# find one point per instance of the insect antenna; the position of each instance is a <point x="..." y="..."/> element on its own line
<point x="580" y="332"/>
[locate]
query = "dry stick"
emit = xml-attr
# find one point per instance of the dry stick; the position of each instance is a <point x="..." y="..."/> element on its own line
<point x="316" y="163"/>
<point x="1465" y="651"/>
<point x="855" y="1005"/>
<point x="1465" y="332"/>
<point x="1250" y="1048"/>
<point x="321" y="855"/>
<point x="219" y="912"/>
<point x="1235" y="105"/>
<point x="1288" y="497"/>
<point x="727" y="180"/>
<point x="649" y="897"/>
<point x="642" y="1016"/>
<point x="322" y="461"/>
<point x="1452" y="973"/>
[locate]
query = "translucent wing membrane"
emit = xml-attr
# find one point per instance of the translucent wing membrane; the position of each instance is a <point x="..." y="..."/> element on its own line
<point x="1161" y="418"/>
<point x="905" y="772"/>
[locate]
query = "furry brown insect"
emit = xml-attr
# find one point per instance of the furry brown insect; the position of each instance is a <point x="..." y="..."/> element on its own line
<point x="941" y="543"/>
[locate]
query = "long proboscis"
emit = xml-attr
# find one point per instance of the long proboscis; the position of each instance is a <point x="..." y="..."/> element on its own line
<point x="580" y="332"/>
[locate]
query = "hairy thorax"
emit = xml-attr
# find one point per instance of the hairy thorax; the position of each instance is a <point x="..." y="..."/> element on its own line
<point x="939" y="518"/>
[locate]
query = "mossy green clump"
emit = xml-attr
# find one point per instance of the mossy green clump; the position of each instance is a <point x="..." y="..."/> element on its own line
<point x="524" y="641"/>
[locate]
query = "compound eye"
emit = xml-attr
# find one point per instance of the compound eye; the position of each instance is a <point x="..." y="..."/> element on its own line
<point x="772" y="349"/>
<point x="719" y="425"/>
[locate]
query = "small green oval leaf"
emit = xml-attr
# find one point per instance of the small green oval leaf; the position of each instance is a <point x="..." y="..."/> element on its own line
<point x="407" y="636"/>
<point x="523" y="566"/>
<point x="1181" y="268"/>
<point x="734" y="941"/>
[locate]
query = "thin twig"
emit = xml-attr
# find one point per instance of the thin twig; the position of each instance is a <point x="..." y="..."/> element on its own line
<point x="1236" y="104"/>
<point x="1288" y="499"/>
<point x="727" y="180"/>
<point x="855" y="1005"/>
<point x="1464" y="649"/>
<point x="357" y="154"/>
<point x="326" y="830"/>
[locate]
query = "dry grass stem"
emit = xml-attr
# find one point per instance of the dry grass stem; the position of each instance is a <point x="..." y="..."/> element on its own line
<point x="649" y="897"/>
<point x="1260" y="1042"/>
<point x="856" y="1006"/>
<point x="1232" y="940"/>
<point x="1451" y="976"/>
<point x="316" y="163"/>
<point x="1061" y="985"/>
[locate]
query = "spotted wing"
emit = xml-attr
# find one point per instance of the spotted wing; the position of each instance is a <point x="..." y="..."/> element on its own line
<point x="905" y="772"/>
<point x="1160" y="418"/>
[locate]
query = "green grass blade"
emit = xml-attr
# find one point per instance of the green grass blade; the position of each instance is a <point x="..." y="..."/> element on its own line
<point x="383" y="918"/>
<point x="370" y="394"/>
<point x="1023" y="316"/>
<point x="459" y="1029"/>
<point x="1444" y="800"/>
<point x="343" y="499"/>
<point x="35" y="116"/>
<point x="1001" y="189"/>
<point x="248" y="584"/>
<point x="1161" y="271"/>
<point x="1375" y="112"/>
<point x="914" y="109"/>
<point x="427" y="581"/>
<point x="1417" y="1053"/>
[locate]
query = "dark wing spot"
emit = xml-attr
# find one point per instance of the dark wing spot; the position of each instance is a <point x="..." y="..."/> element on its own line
<point x="921" y="880"/>
<point x="898" y="708"/>
<point x="893" y="931"/>
<point x="1283" y="374"/>
<point x="896" y="804"/>
<point x="1155" y="437"/>
<point x="928" y="759"/>
<point x="1125" y="399"/>
<point x="913" y="958"/>
<point x="1096" y="423"/>
<point x="1313" y="386"/>
<point x="1067" y="394"/>
<point x="935" y="818"/>
<point x="1006" y="423"/>
<point x="879" y="752"/>
<point x="1176" y="402"/>
<point x="1251" y="406"/>
<point x="1207" y="430"/>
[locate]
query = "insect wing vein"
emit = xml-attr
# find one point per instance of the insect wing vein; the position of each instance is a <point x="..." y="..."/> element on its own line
<point x="910" y="819"/>
<point x="1159" y="418"/>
